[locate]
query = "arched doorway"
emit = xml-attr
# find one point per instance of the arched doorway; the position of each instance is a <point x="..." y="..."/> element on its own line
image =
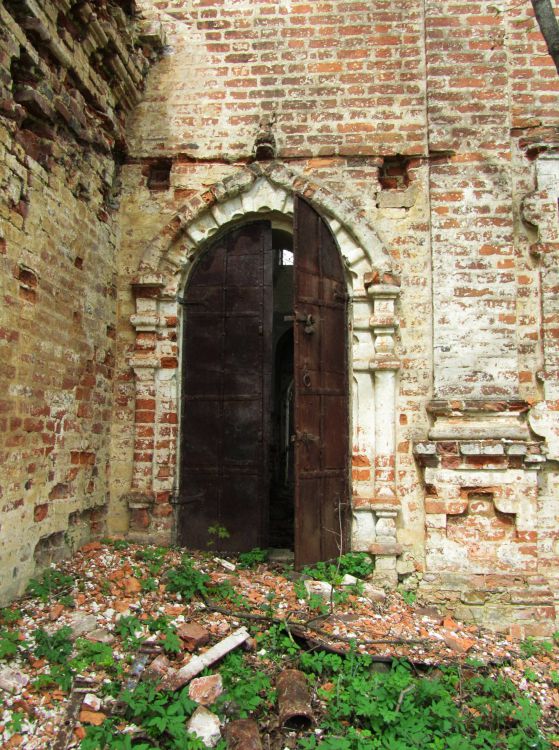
<point x="236" y="394"/>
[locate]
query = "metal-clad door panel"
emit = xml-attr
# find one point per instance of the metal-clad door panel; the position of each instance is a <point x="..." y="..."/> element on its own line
<point x="321" y="391"/>
<point x="227" y="337"/>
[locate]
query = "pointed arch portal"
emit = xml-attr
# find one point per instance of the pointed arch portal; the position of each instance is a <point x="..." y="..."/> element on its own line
<point x="203" y="459"/>
<point x="230" y="441"/>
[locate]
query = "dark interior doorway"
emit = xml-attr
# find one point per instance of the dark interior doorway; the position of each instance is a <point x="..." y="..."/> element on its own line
<point x="282" y="471"/>
<point x="264" y="451"/>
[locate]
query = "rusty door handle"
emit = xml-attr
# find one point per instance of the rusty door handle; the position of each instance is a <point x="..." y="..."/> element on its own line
<point x="306" y="318"/>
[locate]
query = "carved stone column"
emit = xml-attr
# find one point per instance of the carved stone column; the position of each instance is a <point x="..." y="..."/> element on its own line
<point x="384" y="366"/>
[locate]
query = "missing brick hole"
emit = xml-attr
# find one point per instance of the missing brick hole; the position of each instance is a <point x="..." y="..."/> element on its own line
<point x="159" y="175"/>
<point x="67" y="23"/>
<point x="393" y="174"/>
<point x="27" y="277"/>
<point x="23" y="70"/>
<point x="50" y="549"/>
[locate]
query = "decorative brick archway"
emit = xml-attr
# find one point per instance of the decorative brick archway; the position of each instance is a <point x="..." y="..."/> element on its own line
<point x="259" y="191"/>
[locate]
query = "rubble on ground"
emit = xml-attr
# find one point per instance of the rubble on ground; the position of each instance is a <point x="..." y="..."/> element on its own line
<point x="121" y="595"/>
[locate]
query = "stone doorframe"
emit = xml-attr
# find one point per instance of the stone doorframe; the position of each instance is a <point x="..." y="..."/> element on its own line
<point x="260" y="191"/>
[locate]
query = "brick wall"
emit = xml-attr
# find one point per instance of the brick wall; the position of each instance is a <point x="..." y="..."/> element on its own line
<point x="61" y="112"/>
<point x="428" y="118"/>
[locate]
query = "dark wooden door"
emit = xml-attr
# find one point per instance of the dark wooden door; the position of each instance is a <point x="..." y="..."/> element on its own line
<point x="321" y="391"/>
<point x="225" y="423"/>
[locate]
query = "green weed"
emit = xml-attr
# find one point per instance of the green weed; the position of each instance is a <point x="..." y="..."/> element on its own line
<point x="531" y="647"/>
<point x="9" y="616"/>
<point x="154" y="557"/>
<point x="252" y="558"/>
<point x="90" y="653"/>
<point x="186" y="580"/>
<point x="52" y="582"/>
<point x="246" y="689"/>
<point x="55" y="647"/>
<point x="118" y="544"/>
<point x="277" y="643"/>
<point x="217" y="533"/>
<point x="9" y="642"/>
<point x="398" y="710"/>
<point x="408" y="596"/>
<point x="160" y="716"/>
<point x="357" y="564"/>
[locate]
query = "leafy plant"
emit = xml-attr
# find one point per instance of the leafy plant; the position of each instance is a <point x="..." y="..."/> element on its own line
<point x="246" y="689"/>
<point x="59" y="674"/>
<point x="9" y="642"/>
<point x="397" y="710"/>
<point x="109" y="737"/>
<point x="160" y="716"/>
<point x="154" y="557"/>
<point x="55" y="647"/>
<point x="118" y="544"/>
<point x="226" y="592"/>
<point x="9" y="616"/>
<point x="216" y="533"/>
<point x="531" y="647"/>
<point x="15" y="723"/>
<point x="186" y="580"/>
<point x="357" y="564"/>
<point x="277" y="643"/>
<point x="91" y="653"/>
<point x="171" y="641"/>
<point x="130" y="629"/>
<point x="52" y="582"/>
<point x="252" y="558"/>
<point x="148" y="584"/>
<point x="408" y="596"/>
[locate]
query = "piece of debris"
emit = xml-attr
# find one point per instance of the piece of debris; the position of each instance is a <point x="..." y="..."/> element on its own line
<point x="461" y="645"/>
<point x="12" y="680"/>
<point x="193" y="635"/>
<point x="374" y="593"/>
<point x="205" y="725"/>
<point x="180" y="677"/>
<point x="92" y="717"/>
<point x="92" y="701"/>
<point x="55" y="611"/>
<point x="100" y="636"/>
<point x="225" y="564"/>
<point x="242" y="734"/>
<point x="158" y="668"/>
<point x="206" y="690"/>
<point x="294" y="700"/>
<point x="81" y="624"/>
<point x="319" y="588"/>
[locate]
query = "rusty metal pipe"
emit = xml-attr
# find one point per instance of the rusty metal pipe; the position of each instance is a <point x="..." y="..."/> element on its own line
<point x="242" y="734"/>
<point x="294" y="700"/>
